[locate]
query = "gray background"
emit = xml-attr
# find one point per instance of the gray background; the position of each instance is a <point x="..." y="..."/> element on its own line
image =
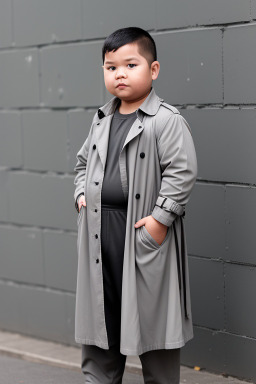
<point x="51" y="84"/>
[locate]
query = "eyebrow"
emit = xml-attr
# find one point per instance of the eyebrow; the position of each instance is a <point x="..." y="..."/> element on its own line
<point x="129" y="59"/>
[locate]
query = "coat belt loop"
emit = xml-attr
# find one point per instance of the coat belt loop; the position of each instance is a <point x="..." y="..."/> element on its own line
<point x="181" y="268"/>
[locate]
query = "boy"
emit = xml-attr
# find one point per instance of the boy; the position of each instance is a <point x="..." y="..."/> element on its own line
<point x="135" y="173"/>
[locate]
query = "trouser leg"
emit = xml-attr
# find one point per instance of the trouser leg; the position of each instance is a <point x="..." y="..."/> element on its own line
<point x="102" y="365"/>
<point x="161" y="366"/>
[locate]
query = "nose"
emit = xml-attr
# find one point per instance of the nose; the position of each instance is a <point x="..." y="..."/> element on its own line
<point x="120" y="73"/>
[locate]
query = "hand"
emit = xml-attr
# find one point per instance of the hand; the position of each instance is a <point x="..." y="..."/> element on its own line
<point x="156" y="229"/>
<point x="81" y="201"/>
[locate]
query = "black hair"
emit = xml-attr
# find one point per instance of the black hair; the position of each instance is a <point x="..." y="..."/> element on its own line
<point x="146" y="44"/>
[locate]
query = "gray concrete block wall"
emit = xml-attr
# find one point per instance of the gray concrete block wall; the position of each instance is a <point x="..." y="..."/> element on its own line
<point x="37" y="311"/>
<point x="99" y="19"/>
<point x="191" y="59"/>
<point x="19" y="78"/>
<point x="6" y="24"/>
<point x="22" y="254"/>
<point x="239" y="79"/>
<point x="253" y="9"/>
<point x="10" y="137"/>
<point x="46" y="22"/>
<point x="208" y="345"/>
<point x="51" y="84"/>
<point x="184" y="13"/>
<point x="206" y="237"/>
<point x="68" y="72"/>
<point x="232" y="132"/>
<point x="208" y="292"/>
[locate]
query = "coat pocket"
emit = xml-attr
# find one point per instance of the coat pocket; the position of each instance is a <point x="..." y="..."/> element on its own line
<point x="149" y="240"/>
<point x="80" y="214"/>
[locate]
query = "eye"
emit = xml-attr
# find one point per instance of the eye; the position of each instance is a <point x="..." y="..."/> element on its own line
<point x="134" y="65"/>
<point x="110" y="68"/>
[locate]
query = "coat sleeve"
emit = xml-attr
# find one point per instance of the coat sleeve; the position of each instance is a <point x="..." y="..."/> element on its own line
<point x="80" y="168"/>
<point x="178" y="164"/>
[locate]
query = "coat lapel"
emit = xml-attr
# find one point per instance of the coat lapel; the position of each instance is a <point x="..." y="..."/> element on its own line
<point x="102" y="135"/>
<point x="150" y="107"/>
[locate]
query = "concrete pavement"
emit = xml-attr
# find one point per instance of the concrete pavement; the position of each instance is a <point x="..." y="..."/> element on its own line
<point x="14" y="370"/>
<point x="49" y="353"/>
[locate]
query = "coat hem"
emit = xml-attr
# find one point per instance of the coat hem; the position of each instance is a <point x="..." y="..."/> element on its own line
<point x="138" y="351"/>
<point x="147" y="348"/>
<point x="99" y="344"/>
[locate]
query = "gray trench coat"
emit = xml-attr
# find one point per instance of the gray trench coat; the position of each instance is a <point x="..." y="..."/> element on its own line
<point x="158" y="168"/>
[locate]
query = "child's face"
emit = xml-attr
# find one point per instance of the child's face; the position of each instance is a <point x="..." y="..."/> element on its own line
<point x="128" y="67"/>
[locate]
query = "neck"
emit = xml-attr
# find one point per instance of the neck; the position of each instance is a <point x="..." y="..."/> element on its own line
<point x="131" y="106"/>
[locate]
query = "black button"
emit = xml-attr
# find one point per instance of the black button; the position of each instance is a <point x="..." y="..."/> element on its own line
<point x="142" y="155"/>
<point x="98" y="123"/>
<point x="95" y="210"/>
<point x="96" y="236"/>
<point x="137" y="195"/>
<point x="100" y="114"/>
<point x="139" y="126"/>
<point x="94" y="146"/>
<point x="96" y="182"/>
<point x="97" y="260"/>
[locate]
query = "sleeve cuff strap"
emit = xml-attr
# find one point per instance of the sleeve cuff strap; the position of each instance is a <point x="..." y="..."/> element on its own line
<point x="163" y="216"/>
<point x="170" y="205"/>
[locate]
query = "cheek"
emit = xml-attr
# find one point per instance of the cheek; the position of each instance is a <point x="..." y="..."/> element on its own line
<point x="107" y="80"/>
<point x="141" y="77"/>
<point x="140" y="81"/>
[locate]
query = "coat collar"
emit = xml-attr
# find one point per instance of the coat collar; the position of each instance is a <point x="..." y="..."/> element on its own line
<point x="149" y="106"/>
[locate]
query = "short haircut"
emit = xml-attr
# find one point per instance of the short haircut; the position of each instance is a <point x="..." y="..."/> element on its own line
<point x="146" y="44"/>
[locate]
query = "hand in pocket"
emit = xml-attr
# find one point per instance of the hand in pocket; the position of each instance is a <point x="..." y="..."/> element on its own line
<point x="156" y="229"/>
<point x="81" y="202"/>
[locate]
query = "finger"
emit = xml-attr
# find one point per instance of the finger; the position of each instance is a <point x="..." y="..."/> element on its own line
<point x="80" y="206"/>
<point x="139" y="223"/>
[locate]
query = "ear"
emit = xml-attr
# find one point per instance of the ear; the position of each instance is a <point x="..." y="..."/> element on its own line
<point x="155" y="68"/>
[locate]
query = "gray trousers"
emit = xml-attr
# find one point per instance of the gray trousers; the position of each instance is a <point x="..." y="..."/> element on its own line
<point x="106" y="366"/>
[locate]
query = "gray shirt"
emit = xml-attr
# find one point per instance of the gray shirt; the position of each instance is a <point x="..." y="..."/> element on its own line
<point x="112" y="193"/>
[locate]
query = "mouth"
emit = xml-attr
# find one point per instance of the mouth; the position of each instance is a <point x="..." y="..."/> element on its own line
<point x="121" y="85"/>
